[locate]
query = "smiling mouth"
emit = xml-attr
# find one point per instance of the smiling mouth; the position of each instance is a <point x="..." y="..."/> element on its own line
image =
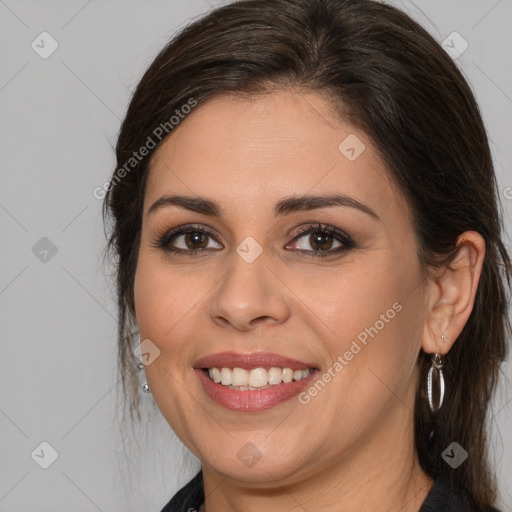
<point x="255" y="379"/>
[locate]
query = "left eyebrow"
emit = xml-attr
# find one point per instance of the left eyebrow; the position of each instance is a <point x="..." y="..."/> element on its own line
<point x="305" y="202"/>
<point x="209" y="207"/>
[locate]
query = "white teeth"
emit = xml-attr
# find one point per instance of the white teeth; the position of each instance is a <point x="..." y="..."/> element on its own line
<point x="226" y="376"/>
<point x="214" y="375"/>
<point x="239" y="377"/>
<point x="275" y="376"/>
<point x="257" y="378"/>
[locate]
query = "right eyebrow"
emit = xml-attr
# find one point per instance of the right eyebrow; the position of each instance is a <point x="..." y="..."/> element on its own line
<point x="194" y="204"/>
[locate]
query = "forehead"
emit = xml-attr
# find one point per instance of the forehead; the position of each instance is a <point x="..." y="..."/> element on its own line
<point x="247" y="150"/>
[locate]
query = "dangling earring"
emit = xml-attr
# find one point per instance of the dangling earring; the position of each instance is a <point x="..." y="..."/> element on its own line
<point x="144" y="386"/>
<point x="436" y="373"/>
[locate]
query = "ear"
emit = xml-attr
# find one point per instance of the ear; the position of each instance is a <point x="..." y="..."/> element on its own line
<point x="451" y="294"/>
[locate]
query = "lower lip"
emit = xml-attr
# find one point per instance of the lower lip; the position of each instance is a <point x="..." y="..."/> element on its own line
<point x="256" y="400"/>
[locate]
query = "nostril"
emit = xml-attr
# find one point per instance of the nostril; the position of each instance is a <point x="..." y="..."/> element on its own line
<point x="258" y="319"/>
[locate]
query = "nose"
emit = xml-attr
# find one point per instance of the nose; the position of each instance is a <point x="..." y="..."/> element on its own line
<point x="248" y="296"/>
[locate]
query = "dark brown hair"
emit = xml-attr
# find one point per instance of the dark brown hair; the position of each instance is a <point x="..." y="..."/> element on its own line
<point x="386" y="75"/>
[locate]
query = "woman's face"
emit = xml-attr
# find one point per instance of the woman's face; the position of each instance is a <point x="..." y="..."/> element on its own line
<point x="334" y="285"/>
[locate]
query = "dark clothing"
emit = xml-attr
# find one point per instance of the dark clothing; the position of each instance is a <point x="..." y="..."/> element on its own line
<point x="190" y="496"/>
<point x="441" y="498"/>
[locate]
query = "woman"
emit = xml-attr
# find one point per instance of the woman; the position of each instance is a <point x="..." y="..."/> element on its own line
<point x="308" y="238"/>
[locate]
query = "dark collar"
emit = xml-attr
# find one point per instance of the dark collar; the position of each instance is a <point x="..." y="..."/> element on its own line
<point x="444" y="496"/>
<point x="447" y="496"/>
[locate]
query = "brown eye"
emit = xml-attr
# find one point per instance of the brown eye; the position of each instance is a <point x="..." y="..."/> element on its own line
<point x="321" y="241"/>
<point x="196" y="240"/>
<point x="318" y="240"/>
<point x="191" y="240"/>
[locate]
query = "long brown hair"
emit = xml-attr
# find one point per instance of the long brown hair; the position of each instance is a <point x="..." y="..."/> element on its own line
<point x="385" y="74"/>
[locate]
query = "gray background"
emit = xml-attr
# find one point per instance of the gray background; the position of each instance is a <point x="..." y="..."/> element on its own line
<point x="59" y="119"/>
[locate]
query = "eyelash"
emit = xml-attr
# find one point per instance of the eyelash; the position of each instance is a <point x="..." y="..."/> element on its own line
<point x="163" y="241"/>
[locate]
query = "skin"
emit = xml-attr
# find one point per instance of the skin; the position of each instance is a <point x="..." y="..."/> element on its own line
<point x="352" y="446"/>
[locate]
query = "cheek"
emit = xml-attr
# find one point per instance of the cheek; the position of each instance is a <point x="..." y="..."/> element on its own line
<point x="370" y="320"/>
<point x="148" y="294"/>
<point x="354" y="300"/>
<point x="163" y="298"/>
<point x="163" y="303"/>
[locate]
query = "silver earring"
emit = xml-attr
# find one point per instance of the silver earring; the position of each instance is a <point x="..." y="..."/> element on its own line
<point x="436" y="373"/>
<point x="144" y="386"/>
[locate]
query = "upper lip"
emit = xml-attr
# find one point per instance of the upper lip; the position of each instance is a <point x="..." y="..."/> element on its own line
<point x="250" y="360"/>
